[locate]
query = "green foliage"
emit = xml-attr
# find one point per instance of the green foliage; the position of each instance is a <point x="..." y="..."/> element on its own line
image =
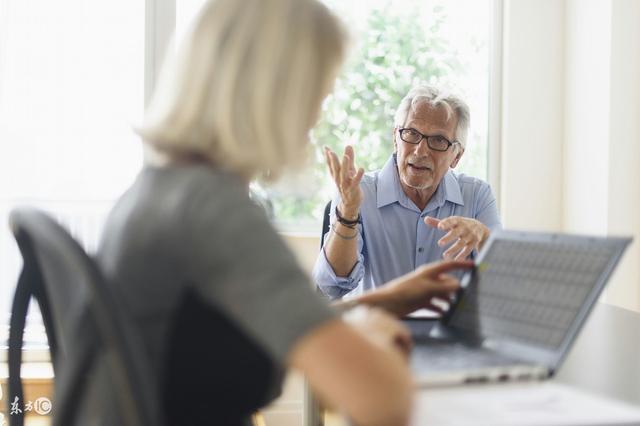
<point x="396" y="50"/>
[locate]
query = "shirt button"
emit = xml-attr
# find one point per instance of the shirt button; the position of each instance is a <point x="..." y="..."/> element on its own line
<point x="420" y="249"/>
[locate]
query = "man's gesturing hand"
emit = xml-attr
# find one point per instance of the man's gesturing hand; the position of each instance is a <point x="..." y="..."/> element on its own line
<point x="465" y="233"/>
<point x="347" y="179"/>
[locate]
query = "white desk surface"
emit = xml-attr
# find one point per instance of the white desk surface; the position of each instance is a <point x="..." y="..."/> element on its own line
<point x="547" y="403"/>
<point x="602" y="370"/>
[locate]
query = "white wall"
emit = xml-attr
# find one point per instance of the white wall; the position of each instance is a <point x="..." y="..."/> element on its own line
<point x="624" y="147"/>
<point x="532" y="122"/>
<point x="588" y="30"/>
<point x="602" y="147"/>
<point x="571" y="124"/>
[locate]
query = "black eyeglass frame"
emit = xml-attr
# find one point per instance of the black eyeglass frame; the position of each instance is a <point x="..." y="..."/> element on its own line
<point x="427" y="138"/>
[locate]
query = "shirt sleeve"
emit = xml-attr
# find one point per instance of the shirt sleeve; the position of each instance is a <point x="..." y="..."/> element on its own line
<point x="241" y="265"/>
<point x="323" y="274"/>
<point x="487" y="208"/>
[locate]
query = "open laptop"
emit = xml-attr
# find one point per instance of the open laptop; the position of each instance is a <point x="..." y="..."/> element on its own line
<point x="519" y="311"/>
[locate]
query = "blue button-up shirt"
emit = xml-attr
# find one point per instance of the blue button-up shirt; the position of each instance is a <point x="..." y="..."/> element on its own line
<point x="393" y="239"/>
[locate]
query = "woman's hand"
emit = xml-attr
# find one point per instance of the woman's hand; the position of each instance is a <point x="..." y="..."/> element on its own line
<point x="380" y="328"/>
<point x="429" y="287"/>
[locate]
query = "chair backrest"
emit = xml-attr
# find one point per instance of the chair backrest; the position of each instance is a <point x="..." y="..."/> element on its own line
<point x="81" y="318"/>
<point x="325" y="222"/>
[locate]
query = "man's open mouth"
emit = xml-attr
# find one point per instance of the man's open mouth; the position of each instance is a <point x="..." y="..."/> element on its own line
<point x="419" y="168"/>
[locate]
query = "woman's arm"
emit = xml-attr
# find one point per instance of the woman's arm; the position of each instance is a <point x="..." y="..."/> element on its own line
<point x="413" y="291"/>
<point x="360" y="368"/>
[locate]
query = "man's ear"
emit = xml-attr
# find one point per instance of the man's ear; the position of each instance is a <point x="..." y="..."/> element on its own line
<point x="457" y="158"/>
<point x="393" y="136"/>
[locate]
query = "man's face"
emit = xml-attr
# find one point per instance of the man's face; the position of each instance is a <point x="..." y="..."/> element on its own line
<point x="421" y="168"/>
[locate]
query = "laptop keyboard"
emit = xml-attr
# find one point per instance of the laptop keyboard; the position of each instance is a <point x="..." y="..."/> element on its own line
<point x="531" y="291"/>
<point x="432" y="356"/>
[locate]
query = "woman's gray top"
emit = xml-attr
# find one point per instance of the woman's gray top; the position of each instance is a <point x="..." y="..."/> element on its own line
<point x="215" y="293"/>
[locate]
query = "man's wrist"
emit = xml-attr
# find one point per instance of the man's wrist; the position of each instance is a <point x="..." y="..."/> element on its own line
<point x="349" y="212"/>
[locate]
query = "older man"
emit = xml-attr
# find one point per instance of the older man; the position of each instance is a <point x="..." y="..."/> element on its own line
<point x="414" y="210"/>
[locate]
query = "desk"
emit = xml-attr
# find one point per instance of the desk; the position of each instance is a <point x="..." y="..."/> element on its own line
<point x="605" y="361"/>
<point x="605" y="358"/>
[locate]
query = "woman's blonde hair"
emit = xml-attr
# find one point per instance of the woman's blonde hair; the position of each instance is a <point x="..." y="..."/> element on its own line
<point x="246" y="84"/>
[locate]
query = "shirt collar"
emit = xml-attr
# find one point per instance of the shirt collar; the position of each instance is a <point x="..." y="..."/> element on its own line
<point x="452" y="188"/>
<point x="390" y="191"/>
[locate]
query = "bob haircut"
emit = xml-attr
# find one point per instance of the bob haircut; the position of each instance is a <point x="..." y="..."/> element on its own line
<point x="436" y="97"/>
<point x="246" y="85"/>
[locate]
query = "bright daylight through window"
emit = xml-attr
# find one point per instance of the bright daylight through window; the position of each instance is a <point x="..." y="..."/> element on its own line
<point x="71" y="85"/>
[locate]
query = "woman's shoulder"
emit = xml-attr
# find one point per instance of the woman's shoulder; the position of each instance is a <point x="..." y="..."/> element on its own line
<point x="192" y="188"/>
<point x="193" y="178"/>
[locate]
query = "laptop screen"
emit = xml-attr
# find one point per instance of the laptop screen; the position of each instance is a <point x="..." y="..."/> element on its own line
<point x="533" y="290"/>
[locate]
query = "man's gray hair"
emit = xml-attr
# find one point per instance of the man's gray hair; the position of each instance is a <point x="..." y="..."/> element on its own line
<point x="436" y="97"/>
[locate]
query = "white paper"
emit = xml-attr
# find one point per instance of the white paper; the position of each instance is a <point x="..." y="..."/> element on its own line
<point x="547" y="403"/>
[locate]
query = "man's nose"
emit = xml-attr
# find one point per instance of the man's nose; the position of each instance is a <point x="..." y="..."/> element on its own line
<point x="422" y="149"/>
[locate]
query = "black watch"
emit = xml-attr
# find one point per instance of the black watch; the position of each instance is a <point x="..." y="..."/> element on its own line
<point x="347" y="222"/>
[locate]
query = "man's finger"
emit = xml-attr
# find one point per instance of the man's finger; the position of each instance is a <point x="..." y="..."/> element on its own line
<point x="336" y="169"/>
<point x="351" y="162"/>
<point x="431" y="221"/>
<point x="450" y="237"/>
<point x="333" y="159"/>
<point x="327" y="158"/>
<point x="336" y="166"/>
<point x="345" y="167"/>
<point x="449" y="223"/>
<point x="454" y="249"/>
<point x="349" y="152"/>
<point x="464" y="253"/>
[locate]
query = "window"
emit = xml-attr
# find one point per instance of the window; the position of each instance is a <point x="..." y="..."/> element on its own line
<point x="398" y="44"/>
<point x="71" y="85"/>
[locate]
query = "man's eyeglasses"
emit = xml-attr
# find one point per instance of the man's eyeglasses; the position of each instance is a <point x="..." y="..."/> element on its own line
<point x="435" y="142"/>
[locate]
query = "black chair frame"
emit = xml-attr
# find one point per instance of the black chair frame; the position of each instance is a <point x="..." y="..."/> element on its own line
<point x="102" y="326"/>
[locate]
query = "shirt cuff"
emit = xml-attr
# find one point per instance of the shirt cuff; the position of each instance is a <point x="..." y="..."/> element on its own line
<point x="332" y="285"/>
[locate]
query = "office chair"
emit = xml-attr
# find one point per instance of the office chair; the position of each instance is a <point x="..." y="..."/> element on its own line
<point x="82" y="320"/>
<point x="325" y="222"/>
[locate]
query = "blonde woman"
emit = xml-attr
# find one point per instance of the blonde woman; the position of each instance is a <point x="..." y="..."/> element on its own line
<point x="223" y="307"/>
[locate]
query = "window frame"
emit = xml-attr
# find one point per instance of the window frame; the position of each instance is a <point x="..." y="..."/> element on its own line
<point x="495" y="131"/>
